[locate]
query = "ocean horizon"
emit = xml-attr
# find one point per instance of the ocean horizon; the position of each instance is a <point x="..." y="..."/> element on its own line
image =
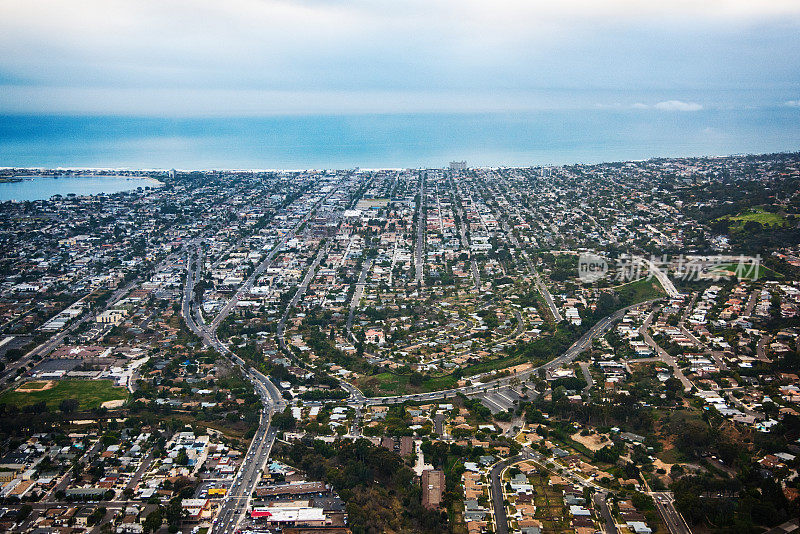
<point x="392" y="140"/>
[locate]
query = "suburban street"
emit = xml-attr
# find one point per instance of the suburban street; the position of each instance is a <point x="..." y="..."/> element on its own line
<point x="663" y="355"/>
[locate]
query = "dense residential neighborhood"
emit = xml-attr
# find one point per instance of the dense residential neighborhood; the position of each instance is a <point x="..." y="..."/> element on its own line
<point x="584" y="348"/>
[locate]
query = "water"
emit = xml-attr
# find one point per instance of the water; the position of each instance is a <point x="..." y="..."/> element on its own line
<point x="44" y="187"/>
<point x="414" y="140"/>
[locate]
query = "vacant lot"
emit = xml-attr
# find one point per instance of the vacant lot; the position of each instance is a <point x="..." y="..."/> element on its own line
<point x="758" y="215"/>
<point x="639" y="291"/>
<point x="393" y="384"/>
<point x="89" y="394"/>
<point x="747" y="271"/>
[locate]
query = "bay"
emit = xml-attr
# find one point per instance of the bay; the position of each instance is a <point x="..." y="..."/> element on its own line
<point x="44" y="187"/>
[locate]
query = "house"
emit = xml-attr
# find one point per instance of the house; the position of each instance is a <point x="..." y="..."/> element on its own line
<point x="639" y="527"/>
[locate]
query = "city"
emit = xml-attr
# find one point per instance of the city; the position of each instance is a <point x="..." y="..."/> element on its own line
<point x="580" y="348"/>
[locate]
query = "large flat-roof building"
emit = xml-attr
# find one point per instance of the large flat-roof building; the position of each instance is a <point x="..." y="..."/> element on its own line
<point x="432" y="486"/>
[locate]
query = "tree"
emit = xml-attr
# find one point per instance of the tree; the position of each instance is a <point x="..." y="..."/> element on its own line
<point x="96" y="516"/>
<point x="174" y="512"/>
<point x="415" y="379"/>
<point x="13" y="355"/>
<point x="68" y="405"/>
<point x="153" y="521"/>
<point x="24" y="511"/>
<point x="284" y="421"/>
<point x="182" y="458"/>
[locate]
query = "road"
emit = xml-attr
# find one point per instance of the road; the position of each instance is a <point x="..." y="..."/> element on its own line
<point x="143" y="467"/>
<point x="586" y="375"/>
<point x="496" y="490"/>
<point x="663" y="355"/>
<point x="600" y="503"/>
<point x="741" y="406"/>
<point x="462" y="228"/>
<point x="496" y="487"/>
<point x="301" y="290"/>
<point x="265" y="263"/>
<point x="548" y="298"/>
<point x="357" y="293"/>
<point x="51" y="343"/>
<point x="661" y="276"/>
<point x="237" y="499"/>
<point x="438" y="424"/>
<point x="419" y="249"/>
<point x="600" y="328"/>
<point x="785" y="528"/>
<point x="761" y="348"/>
<point x="673" y="519"/>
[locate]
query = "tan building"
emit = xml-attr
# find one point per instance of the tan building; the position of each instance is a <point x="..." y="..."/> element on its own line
<point x="114" y="317"/>
<point x="432" y="487"/>
<point x="406" y="446"/>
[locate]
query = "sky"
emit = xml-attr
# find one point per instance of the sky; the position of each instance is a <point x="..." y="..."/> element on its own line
<point x="210" y="58"/>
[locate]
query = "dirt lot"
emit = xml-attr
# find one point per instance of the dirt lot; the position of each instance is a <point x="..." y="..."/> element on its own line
<point x="36" y="386"/>
<point x="593" y="442"/>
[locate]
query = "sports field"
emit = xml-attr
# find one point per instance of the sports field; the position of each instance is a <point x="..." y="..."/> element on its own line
<point x="89" y="393"/>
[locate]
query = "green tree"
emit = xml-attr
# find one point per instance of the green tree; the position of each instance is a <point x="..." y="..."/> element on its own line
<point x="153" y="521"/>
<point x="182" y="458"/>
<point x="69" y="405"/>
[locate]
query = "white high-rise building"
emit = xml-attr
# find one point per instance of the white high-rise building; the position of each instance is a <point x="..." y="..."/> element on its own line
<point x="458" y="165"/>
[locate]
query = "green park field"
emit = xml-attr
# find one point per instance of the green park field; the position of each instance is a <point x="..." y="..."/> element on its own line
<point x="759" y="215"/>
<point x="89" y="393"/>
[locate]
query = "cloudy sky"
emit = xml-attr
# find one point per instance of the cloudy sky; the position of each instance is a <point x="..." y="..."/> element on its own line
<point x="268" y="57"/>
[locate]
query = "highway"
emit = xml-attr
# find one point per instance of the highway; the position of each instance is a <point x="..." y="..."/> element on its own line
<point x="673" y="519"/>
<point x="661" y="276"/>
<point x="548" y="298"/>
<point x="236" y="501"/>
<point x="600" y="328"/>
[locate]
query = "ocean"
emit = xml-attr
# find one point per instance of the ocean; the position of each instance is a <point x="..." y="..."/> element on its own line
<point x="393" y="141"/>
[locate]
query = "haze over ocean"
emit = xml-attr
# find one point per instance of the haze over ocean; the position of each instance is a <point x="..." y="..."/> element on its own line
<point x="393" y="140"/>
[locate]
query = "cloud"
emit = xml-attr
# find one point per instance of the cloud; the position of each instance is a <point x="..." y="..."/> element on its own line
<point x="669" y="105"/>
<point x="792" y="103"/>
<point x="422" y="54"/>
<point x="678" y="105"/>
<point x="183" y="102"/>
